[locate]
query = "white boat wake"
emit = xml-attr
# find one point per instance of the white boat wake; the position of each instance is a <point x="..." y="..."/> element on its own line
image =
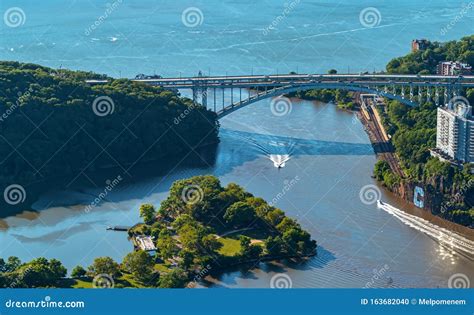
<point x="442" y="235"/>
<point x="278" y="160"/>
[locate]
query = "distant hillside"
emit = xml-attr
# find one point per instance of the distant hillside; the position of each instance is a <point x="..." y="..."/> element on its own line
<point x="52" y="123"/>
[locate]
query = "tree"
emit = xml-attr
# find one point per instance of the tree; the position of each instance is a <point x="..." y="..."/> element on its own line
<point x="140" y="264"/>
<point x="247" y="250"/>
<point x="210" y="243"/>
<point x="275" y="216"/>
<point x="332" y="71"/>
<point x="232" y="194"/>
<point x="104" y="265"/>
<point x="60" y="99"/>
<point x="187" y="259"/>
<point x="41" y="273"/>
<point x="78" y="272"/>
<point x="12" y="264"/>
<point x="177" y="278"/>
<point x="166" y="245"/>
<point x="240" y="214"/>
<point x="274" y="246"/>
<point x="3" y="265"/>
<point x="287" y="224"/>
<point x="148" y="213"/>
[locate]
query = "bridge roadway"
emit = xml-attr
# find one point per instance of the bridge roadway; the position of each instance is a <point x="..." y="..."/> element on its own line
<point x="407" y="89"/>
<point x="284" y="79"/>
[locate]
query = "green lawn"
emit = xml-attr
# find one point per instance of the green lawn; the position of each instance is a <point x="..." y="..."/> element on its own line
<point x="231" y="247"/>
<point x="162" y="268"/>
<point x="81" y="284"/>
<point x="253" y="234"/>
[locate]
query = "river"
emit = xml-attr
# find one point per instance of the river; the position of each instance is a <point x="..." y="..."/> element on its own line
<point x="330" y="159"/>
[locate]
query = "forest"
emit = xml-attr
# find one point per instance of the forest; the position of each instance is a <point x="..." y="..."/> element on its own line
<point x="54" y="124"/>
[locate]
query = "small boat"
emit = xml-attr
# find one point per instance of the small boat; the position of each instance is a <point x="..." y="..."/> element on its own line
<point x="380" y="203"/>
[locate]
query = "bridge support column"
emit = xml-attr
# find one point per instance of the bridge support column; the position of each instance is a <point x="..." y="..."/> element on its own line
<point x="403" y="91"/>
<point x="232" y="96"/>
<point x="204" y="97"/>
<point x="449" y="94"/>
<point x="223" y="99"/>
<point x="195" y="95"/>
<point x="214" y="92"/>
<point x="436" y="96"/>
<point x="420" y="94"/>
<point x="411" y="93"/>
<point x="428" y="94"/>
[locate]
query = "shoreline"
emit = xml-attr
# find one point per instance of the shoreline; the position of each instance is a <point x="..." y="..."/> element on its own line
<point x="384" y="150"/>
<point x="393" y="160"/>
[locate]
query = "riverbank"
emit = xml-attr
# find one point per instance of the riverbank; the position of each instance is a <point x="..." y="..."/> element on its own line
<point x="405" y="190"/>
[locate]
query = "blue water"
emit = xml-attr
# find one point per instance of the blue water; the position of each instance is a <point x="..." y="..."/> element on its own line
<point x="147" y="36"/>
<point x="330" y="153"/>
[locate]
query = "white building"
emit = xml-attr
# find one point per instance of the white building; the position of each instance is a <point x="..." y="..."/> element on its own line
<point x="455" y="133"/>
<point x="453" y="68"/>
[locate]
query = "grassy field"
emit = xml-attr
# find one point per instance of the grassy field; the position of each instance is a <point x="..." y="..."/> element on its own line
<point x="162" y="268"/>
<point x="81" y="284"/>
<point x="231" y="247"/>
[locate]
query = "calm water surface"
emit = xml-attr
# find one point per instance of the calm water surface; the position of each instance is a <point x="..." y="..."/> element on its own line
<point x="330" y="154"/>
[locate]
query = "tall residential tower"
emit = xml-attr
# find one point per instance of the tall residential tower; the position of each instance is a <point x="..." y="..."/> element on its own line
<point x="455" y="133"/>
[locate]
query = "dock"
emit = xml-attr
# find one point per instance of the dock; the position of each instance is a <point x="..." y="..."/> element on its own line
<point x="118" y="228"/>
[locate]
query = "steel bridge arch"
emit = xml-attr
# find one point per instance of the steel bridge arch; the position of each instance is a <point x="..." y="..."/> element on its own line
<point x="279" y="91"/>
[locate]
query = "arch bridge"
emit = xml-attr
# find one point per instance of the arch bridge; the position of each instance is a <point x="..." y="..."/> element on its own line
<point x="407" y="89"/>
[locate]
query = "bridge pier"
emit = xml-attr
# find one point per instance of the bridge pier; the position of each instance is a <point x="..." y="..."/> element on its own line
<point x="214" y="92"/>
<point x="223" y="99"/>
<point x="195" y="95"/>
<point x="204" y="97"/>
<point x="436" y="96"/>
